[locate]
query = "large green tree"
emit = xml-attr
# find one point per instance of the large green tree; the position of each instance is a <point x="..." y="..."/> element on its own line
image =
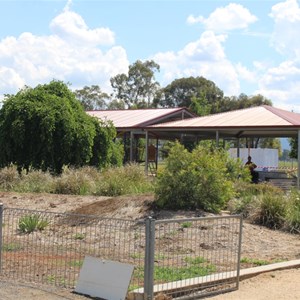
<point x="181" y="92"/>
<point x="137" y="88"/>
<point x="46" y="128"/>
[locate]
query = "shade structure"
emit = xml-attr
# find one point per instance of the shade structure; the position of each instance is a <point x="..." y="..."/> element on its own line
<point x="260" y="121"/>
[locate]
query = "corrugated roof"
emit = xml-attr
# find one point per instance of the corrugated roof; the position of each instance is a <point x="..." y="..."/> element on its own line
<point x="137" y="117"/>
<point x="259" y="116"/>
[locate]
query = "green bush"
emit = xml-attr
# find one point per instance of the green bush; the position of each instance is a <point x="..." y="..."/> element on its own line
<point x="292" y="218"/>
<point x="272" y="211"/>
<point x="36" y="182"/>
<point x="32" y="222"/>
<point x="197" y="179"/>
<point x="248" y="198"/>
<point x="80" y="181"/>
<point x="129" y="179"/>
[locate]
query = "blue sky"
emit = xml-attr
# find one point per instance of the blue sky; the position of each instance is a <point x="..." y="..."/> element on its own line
<point x="250" y="47"/>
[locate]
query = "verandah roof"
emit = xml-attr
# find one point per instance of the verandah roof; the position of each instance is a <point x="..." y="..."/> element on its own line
<point x="260" y="121"/>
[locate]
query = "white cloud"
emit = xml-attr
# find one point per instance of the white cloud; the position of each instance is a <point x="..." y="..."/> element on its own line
<point x="233" y="16"/>
<point x="246" y="74"/>
<point x="71" y="26"/>
<point x="285" y="38"/>
<point x="72" y="53"/>
<point x="281" y="84"/>
<point x="204" y="57"/>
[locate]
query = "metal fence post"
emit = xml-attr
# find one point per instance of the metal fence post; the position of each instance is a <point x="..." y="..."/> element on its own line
<point x="239" y="251"/>
<point x="149" y="259"/>
<point x="1" y="225"/>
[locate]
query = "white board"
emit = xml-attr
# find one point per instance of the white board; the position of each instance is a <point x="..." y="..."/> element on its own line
<point x="263" y="158"/>
<point x="104" y="279"/>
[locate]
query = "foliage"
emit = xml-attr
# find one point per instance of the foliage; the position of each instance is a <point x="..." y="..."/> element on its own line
<point x="180" y="92"/>
<point x="129" y="179"/>
<point x="92" y="98"/>
<point x="46" y="127"/>
<point x="197" y="179"/>
<point x="32" y="222"/>
<point x="138" y="88"/>
<point x="272" y="211"/>
<point x="293" y="212"/>
<point x="87" y="180"/>
<point x="200" y="105"/>
<point x="9" y="177"/>
<point x="81" y="181"/>
<point x="35" y="181"/>
<point x="267" y="205"/>
<point x="294" y="147"/>
<point x="105" y="152"/>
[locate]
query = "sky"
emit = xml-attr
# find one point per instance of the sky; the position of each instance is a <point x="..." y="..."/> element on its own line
<point x="250" y="47"/>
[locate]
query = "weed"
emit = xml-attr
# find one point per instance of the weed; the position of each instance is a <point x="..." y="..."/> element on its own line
<point x="79" y="236"/>
<point x="195" y="260"/>
<point x="186" y="224"/>
<point x="11" y="247"/>
<point x="32" y="222"/>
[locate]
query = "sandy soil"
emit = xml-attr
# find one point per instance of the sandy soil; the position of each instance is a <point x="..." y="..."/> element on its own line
<point x="258" y="242"/>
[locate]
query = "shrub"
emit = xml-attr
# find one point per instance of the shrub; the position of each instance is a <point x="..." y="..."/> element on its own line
<point x="36" y="182"/>
<point x="197" y="179"/>
<point x="271" y="211"/>
<point x="248" y="198"/>
<point x="129" y="179"/>
<point x="292" y="218"/>
<point x="32" y="222"/>
<point x="9" y="177"/>
<point x="77" y="181"/>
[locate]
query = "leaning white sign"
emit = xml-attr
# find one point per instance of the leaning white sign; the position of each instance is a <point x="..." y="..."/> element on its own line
<point x="104" y="279"/>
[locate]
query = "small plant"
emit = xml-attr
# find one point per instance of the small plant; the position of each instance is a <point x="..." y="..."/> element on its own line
<point x="11" y="247"/>
<point x="79" y="236"/>
<point x="259" y="262"/>
<point x="32" y="222"/>
<point x="76" y="263"/>
<point x="253" y="261"/>
<point x="195" y="260"/>
<point x="186" y="224"/>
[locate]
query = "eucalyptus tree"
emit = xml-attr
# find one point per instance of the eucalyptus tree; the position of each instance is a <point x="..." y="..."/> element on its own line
<point x="137" y="88"/>
<point x="92" y="97"/>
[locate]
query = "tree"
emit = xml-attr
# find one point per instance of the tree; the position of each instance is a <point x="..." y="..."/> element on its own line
<point x="138" y="88"/>
<point x="200" y="105"/>
<point x="92" y="98"/>
<point x="180" y="92"/>
<point x="294" y="147"/>
<point x="243" y="101"/>
<point x="46" y="128"/>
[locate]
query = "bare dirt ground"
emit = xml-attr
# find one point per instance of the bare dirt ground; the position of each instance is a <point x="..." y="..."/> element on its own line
<point x="258" y="243"/>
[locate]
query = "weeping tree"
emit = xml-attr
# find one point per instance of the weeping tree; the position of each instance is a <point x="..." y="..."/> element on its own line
<point x="46" y="128"/>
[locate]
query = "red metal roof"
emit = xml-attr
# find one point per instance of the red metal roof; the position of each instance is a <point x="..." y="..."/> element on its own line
<point x="262" y="121"/>
<point x="250" y="117"/>
<point x="139" y="117"/>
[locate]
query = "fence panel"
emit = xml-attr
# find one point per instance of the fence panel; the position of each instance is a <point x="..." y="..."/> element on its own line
<point x="54" y="255"/>
<point x="197" y="257"/>
<point x="185" y="258"/>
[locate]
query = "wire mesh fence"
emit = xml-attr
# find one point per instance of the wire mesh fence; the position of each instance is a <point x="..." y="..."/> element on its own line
<point x="196" y="257"/>
<point x="54" y="254"/>
<point x="185" y="258"/>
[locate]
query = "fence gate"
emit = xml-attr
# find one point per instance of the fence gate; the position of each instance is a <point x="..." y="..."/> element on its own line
<point x="193" y="258"/>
